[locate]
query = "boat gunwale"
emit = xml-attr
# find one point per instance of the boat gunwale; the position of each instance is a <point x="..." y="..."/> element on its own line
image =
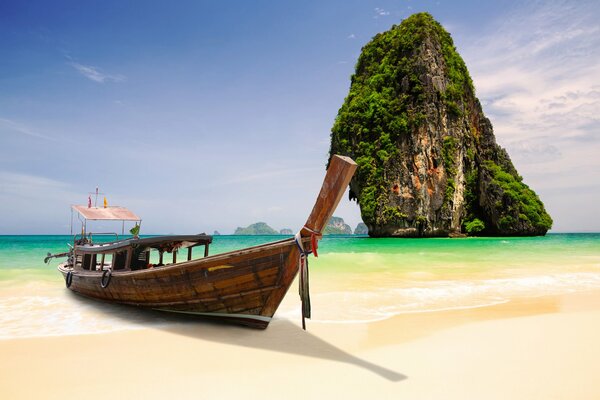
<point x="196" y="263"/>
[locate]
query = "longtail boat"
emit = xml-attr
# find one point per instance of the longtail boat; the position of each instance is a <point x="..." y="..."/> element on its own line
<point x="244" y="286"/>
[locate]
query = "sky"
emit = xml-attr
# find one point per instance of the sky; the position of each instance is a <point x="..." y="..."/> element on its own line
<point x="203" y="115"/>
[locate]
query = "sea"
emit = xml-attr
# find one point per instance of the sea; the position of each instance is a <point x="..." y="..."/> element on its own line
<point x="355" y="279"/>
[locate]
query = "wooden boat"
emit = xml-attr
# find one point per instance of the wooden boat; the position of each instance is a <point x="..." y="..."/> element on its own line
<point x="244" y="286"/>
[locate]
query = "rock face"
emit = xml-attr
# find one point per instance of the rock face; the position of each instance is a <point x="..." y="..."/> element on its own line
<point x="286" y="231"/>
<point x="361" y="229"/>
<point x="337" y="226"/>
<point x="429" y="164"/>
<point x="259" y="228"/>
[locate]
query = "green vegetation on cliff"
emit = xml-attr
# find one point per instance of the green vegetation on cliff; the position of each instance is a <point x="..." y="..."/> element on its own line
<point x="475" y="226"/>
<point x="386" y="103"/>
<point x="518" y="201"/>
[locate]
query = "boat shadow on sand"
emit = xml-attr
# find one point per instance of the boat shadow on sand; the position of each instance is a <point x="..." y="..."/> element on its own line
<point x="281" y="336"/>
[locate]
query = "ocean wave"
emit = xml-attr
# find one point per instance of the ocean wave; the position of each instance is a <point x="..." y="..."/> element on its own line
<point x="42" y="309"/>
<point x="375" y="304"/>
<point x="57" y="313"/>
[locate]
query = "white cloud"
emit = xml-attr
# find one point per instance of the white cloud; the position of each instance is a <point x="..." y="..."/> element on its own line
<point x="95" y="74"/>
<point x="266" y="175"/>
<point x="537" y="74"/>
<point x="25" y="185"/>
<point x="8" y="125"/>
<point x="380" y="12"/>
<point x="352" y="36"/>
<point x="34" y="203"/>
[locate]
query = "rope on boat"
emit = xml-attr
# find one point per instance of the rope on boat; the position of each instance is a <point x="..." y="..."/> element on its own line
<point x="303" y="269"/>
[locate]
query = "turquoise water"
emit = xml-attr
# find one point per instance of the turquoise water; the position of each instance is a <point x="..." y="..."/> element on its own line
<point x="28" y="252"/>
<point x="355" y="279"/>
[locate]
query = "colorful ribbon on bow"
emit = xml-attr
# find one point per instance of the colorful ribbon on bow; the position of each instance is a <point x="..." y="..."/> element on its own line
<point x="304" y="289"/>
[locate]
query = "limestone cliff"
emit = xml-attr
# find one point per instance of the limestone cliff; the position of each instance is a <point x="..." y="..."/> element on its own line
<point x="429" y="164"/>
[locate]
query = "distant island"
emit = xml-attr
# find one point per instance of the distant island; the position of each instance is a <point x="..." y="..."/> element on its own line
<point x="259" y="228"/>
<point x="361" y="229"/>
<point x="335" y="226"/>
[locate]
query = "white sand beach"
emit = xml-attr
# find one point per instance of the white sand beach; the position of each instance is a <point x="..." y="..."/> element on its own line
<point x="544" y="348"/>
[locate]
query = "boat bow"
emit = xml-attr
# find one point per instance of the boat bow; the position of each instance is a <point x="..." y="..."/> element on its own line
<point x="340" y="172"/>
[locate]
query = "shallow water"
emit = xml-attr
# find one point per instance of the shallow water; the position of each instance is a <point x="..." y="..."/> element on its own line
<point x="355" y="279"/>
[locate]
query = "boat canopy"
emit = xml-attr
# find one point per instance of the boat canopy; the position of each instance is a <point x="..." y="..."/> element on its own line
<point x="113" y="213"/>
<point x="161" y="243"/>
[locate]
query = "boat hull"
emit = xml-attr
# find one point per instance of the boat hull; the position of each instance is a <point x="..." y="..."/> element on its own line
<point x="244" y="287"/>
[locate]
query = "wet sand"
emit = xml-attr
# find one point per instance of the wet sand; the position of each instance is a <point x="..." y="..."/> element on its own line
<point x="544" y="347"/>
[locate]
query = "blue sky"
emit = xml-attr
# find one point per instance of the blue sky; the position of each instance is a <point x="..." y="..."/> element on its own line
<point x="204" y="116"/>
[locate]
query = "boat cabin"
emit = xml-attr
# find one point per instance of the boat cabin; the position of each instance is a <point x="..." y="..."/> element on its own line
<point x="139" y="253"/>
<point x="132" y="253"/>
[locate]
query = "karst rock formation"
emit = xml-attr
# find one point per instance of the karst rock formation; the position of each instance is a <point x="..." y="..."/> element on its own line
<point x="429" y="164"/>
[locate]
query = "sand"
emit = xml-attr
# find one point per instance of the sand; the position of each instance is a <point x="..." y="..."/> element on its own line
<point x="542" y="348"/>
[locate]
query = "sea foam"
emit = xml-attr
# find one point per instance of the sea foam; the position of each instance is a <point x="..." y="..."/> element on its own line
<point x="361" y="305"/>
<point x="54" y="311"/>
